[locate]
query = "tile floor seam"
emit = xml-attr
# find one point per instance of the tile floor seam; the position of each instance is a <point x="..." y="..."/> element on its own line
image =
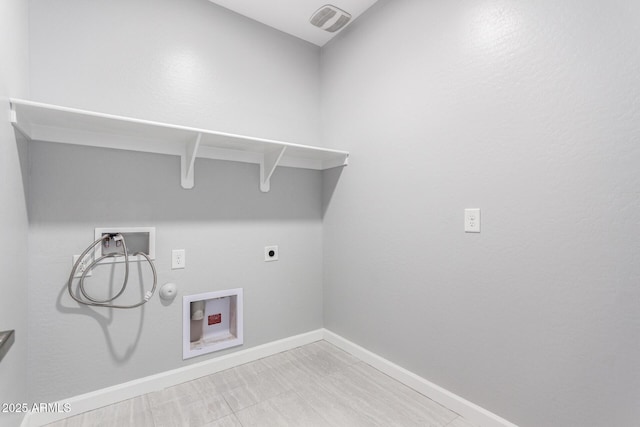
<point x="451" y="422"/>
<point x="315" y="376"/>
<point x="227" y="402"/>
<point x="146" y="399"/>
<point x="312" y="408"/>
<point x="258" y="403"/>
<point x="238" y="420"/>
<point x="223" y="398"/>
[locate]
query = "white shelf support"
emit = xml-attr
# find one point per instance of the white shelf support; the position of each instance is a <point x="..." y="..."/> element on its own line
<point x="268" y="165"/>
<point x="187" y="161"/>
<point x="21" y="127"/>
<point x="64" y="125"/>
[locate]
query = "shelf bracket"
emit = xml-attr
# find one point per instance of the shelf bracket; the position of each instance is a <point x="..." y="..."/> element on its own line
<point x="18" y="125"/>
<point x="187" y="161"/>
<point x="268" y="164"/>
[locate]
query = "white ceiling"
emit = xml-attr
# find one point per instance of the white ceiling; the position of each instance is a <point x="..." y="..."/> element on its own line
<point x="292" y="16"/>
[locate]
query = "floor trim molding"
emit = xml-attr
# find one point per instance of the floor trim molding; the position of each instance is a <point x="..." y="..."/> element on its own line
<point x="470" y="411"/>
<point x="110" y="395"/>
<point x="117" y="393"/>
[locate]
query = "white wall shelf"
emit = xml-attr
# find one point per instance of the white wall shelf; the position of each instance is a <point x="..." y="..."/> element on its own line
<point x="52" y="123"/>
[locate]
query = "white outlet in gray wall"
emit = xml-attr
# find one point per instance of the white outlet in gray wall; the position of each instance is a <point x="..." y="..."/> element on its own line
<point x="472" y="220"/>
<point x="178" y="259"/>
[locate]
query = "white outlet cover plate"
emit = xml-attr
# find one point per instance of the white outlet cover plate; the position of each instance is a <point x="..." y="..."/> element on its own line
<point x="472" y="220"/>
<point x="178" y="259"/>
<point x="88" y="260"/>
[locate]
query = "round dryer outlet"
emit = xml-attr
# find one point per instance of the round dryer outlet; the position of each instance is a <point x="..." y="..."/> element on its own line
<point x="270" y="253"/>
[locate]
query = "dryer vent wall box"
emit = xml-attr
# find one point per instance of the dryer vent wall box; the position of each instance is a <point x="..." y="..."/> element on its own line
<point x="212" y="321"/>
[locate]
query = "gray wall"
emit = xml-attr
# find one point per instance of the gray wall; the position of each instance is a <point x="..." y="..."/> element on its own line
<point x="190" y="63"/>
<point x="529" y="111"/>
<point x="185" y="62"/>
<point x="14" y="43"/>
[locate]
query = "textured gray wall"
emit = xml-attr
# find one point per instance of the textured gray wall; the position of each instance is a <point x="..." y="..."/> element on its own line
<point x="191" y="63"/>
<point x="529" y="111"/>
<point x="185" y="62"/>
<point x="14" y="43"/>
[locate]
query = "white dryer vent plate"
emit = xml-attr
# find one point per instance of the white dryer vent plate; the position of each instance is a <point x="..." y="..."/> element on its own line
<point x="330" y="18"/>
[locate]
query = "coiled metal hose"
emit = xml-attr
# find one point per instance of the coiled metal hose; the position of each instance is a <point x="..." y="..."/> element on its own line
<point x="88" y="300"/>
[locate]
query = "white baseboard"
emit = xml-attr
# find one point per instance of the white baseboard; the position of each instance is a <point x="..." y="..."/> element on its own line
<point x="470" y="411"/>
<point x="110" y="395"/>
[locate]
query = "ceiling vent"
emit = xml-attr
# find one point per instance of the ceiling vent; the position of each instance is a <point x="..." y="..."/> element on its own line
<point x="330" y="18"/>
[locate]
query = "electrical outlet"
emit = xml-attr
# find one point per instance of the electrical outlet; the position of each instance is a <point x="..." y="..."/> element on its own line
<point x="83" y="266"/>
<point x="270" y="253"/>
<point x="472" y="220"/>
<point x="178" y="259"/>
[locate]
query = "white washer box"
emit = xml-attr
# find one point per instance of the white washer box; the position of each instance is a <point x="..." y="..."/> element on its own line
<point x="214" y="324"/>
<point x="138" y="239"/>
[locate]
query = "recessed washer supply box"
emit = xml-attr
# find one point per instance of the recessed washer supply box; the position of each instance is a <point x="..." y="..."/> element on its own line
<point x="138" y="239"/>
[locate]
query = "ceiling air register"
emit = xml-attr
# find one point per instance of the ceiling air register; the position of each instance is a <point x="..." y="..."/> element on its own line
<point x="330" y="18"/>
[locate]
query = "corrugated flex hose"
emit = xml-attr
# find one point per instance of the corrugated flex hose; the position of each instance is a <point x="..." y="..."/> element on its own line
<point x="88" y="300"/>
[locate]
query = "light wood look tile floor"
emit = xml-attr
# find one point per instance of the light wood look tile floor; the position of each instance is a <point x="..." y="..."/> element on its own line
<point x="314" y="385"/>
